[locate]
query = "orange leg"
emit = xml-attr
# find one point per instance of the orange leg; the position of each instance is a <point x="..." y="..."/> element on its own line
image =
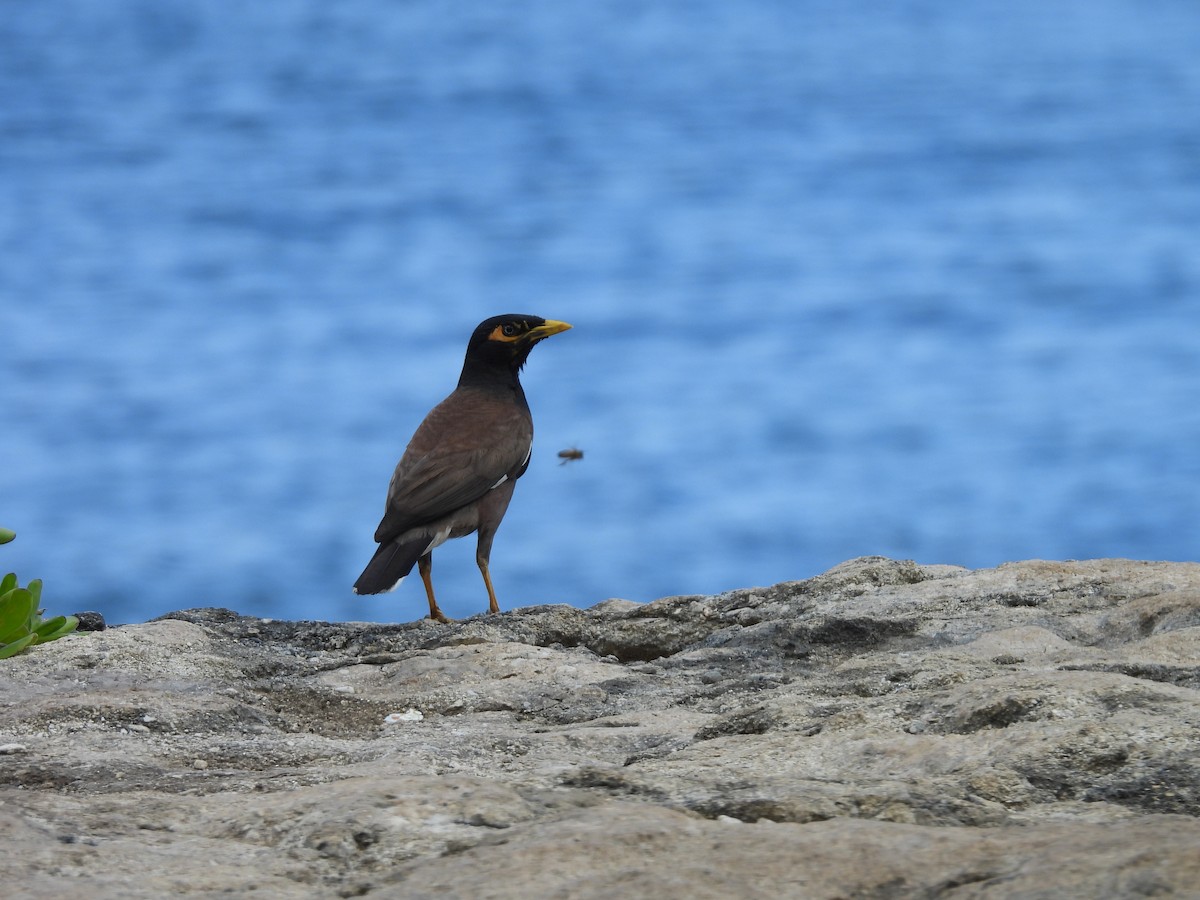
<point x="493" y="606"/>
<point x="425" y="565"/>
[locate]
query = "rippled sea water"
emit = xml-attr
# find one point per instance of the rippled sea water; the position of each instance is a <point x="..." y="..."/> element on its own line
<point x="912" y="279"/>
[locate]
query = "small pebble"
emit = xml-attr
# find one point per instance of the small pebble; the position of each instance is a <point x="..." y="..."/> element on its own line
<point x="90" y="621"/>
<point x="199" y="763"/>
<point x="10" y="749"/>
<point x="746" y="616"/>
<point x="409" y="715"/>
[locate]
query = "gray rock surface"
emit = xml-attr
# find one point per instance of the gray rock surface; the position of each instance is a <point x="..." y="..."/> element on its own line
<point x="882" y="730"/>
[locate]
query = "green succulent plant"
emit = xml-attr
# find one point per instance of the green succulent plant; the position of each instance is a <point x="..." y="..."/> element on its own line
<point x="21" y="622"/>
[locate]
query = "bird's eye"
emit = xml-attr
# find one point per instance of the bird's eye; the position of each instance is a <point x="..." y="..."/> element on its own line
<point x="510" y="329"/>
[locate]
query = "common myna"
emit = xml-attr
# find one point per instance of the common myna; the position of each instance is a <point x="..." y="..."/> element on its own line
<point x="458" y="472"/>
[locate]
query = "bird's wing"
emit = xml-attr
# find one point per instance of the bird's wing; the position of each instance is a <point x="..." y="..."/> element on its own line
<point x="462" y="450"/>
<point x="437" y="485"/>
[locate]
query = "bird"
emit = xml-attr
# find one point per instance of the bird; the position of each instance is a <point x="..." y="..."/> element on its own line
<point x="458" y="472"/>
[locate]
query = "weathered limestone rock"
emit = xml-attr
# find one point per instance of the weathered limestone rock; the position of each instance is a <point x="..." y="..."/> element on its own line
<point x="883" y="730"/>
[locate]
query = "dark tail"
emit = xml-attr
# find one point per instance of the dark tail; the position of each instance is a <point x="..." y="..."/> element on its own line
<point x="389" y="565"/>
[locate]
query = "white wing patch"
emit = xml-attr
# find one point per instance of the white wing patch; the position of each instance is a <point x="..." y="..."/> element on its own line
<point x="438" y="539"/>
<point x="524" y="462"/>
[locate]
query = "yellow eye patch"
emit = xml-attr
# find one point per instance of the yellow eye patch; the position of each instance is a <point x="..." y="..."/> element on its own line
<point x="499" y="335"/>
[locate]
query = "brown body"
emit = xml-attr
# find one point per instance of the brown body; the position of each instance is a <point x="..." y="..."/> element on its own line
<point x="458" y="472"/>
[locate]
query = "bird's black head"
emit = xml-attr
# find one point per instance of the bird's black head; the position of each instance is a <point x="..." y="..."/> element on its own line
<point x="502" y="343"/>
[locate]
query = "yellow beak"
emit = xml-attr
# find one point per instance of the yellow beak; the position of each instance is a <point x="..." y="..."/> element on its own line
<point x="547" y="328"/>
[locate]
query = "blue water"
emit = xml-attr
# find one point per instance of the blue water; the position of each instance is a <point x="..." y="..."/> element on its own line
<point x="911" y="278"/>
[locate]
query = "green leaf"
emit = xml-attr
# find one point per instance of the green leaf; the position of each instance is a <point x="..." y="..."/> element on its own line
<point x="16" y="610"/>
<point x="35" y="588"/>
<point x="50" y="627"/>
<point x="66" y="624"/>
<point x="7" y="650"/>
<point x="8" y="583"/>
<point x="6" y="535"/>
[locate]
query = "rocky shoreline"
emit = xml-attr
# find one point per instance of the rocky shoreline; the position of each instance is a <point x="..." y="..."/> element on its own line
<point x="885" y="729"/>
